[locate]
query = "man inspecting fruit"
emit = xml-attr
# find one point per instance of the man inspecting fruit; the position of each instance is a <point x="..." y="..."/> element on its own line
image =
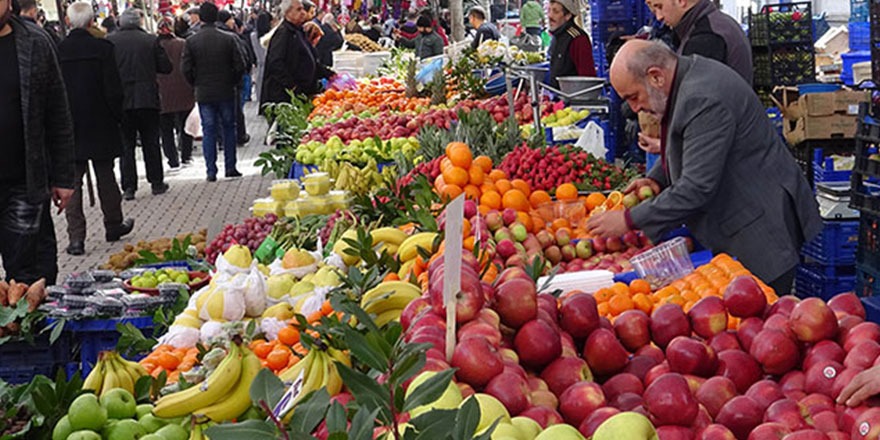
<point x="724" y="172"/>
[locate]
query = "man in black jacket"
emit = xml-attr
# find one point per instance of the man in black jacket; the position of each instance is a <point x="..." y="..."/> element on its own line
<point x="226" y="22"/>
<point x="37" y="149"/>
<point x="140" y="57"/>
<point x="485" y="31"/>
<point x="95" y="94"/>
<point x="291" y="61"/>
<point x="213" y="63"/>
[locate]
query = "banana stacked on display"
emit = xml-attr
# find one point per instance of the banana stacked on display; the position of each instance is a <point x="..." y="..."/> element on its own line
<point x="113" y="371"/>
<point x="224" y="395"/>
<point x="387" y="300"/>
<point x="318" y="370"/>
<point x="360" y="180"/>
<point x="388" y="239"/>
<point x="409" y="249"/>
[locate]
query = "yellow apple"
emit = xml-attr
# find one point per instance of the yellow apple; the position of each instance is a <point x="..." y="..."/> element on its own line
<point x="561" y="431"/>
<point x="527" y="427"/>
<point x="491" y="409"/>
<point x="626" y="426"/>
<point x="450" y="399"/>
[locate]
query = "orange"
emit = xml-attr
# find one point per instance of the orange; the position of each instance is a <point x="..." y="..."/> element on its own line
<point x="538" y="197"/>
<point x="676" y="299"/>
<point x="460" y="156"/>
<point x="595" y="199"/>
<point x="525" y="219"/>
<point x="454" y="146"/>
<point x="639" y="285"/>
<point x="288" y="335"/>
<point x="469" y="243"/>
<point x="439" y="182"/>
<point x="497" y="175"/>
<point x="619" y="304"/>
<point x="465" y="228"/>
<point x="472" y="192"/>
<point x="491" y="199"/>
<point x="455" y="176"/>
<point x="522" y="185"/>
<point x="603" y="308"/>
<point x="515" y="199"/>
<point x="615" y="199"/>
<point x="566" y="191"/>
<point x="538" y="223"/>
<point x="168" y="361"/>
<point x="483" y="162"/>
<point x="483" y="209"/>
<point x="620" y="288"/>
<point x="488" y="186"/>
<point x="560" y="223"/>
<point x="503" y="185"/>
<point x="476" y="175"/>
<point x="603" y="295"/>
<point x="643" y="302"/>
<point x="445" y="163"/>
<point x="451" y="191"/>
<point x="278" y="358"/>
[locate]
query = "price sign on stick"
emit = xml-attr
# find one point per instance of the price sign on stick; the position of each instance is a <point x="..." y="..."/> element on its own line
<point x="452" y="264"/>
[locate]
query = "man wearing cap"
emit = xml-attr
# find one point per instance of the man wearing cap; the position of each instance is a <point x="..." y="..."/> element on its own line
<point x="195" y="21"/>
<point x="571" y="53"/>
<point x="177" y="99"/>
<point x="428" y="43"/>
<point x="485" y="31"/>
<point x="140" y="58"/>
<point x="213" y="64"/>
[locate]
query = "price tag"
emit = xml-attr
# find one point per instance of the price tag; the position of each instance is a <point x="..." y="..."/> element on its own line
<point x="289" y="399"/>
<point x="452" y="266"/>
<point x="266" y="252"/>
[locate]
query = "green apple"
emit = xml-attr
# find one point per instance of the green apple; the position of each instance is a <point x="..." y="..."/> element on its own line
<point x="626" y="426"/>
<point x="507" y="431"/>
<point x="128" y="429"/>
<point x="84" y="435"/>
<point x="119" y="403"/>
<point x="172" y="432"/>
<point x="561" y="432"/>
<point x="143" y="409"/>
<point x="528" y="427"/>
<point x="62" y="429"/>
<point x="450" y="398"/>
<point x="151" y="423"/>
<point x="152" y="437"/>
<point x="491" y="409"/>
<point x="87" y="413"/>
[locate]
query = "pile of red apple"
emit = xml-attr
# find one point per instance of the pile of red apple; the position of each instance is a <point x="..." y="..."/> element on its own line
<point x="499" y="107"/>
<point x="776" y="377"/>
<point x="385" y="125"/>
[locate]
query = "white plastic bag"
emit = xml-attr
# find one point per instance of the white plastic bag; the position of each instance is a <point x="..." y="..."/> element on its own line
<point x="193" y="125"/>
<point x="270" y="327"/>
<point x="179" y="336"/>
<point x="224" y="267"/>
<point x="220" y="302"/>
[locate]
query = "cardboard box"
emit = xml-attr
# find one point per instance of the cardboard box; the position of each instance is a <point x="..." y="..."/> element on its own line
<point x="839" y="102"/>
<point x="820" y="127"/>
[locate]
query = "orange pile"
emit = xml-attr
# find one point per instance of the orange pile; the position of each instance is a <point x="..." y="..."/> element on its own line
<point x="172" y="361"/>
<point x="707" y="280"/>
<point x="376" y="95"/>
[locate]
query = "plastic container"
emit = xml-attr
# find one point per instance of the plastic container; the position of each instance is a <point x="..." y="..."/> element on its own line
<point x="575" y="211"/>
<point x="284" y="189"/>
<point x="323" y="204"/>
<point x="835" y="245"/>
<point x="339" y="199"/>
<point x="291" y="209"/>
<point x="816" y="280"/>
<point x="823" y="169"/>
<point x="613" y="10"/>
<point x="95" y="336"/>
<point x="848" y="60"/>
<point x="859" y="35"/>
<point x="21" y="361"/>
<point x="665" y="263"/>
<point x="266" y="206"/>
<point x="317" y="184"/>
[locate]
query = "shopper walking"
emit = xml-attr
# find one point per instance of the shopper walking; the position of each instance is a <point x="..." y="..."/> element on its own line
<point x="28" y="178"/>
<point x="485" y="31"/>
<point x="291" y="61"/>
<point x="177" y="100"/>
<point x="724" y="171"/>
<point x="88" y="65"/>
<point x="213" y="64"/>
<point x="226" y="23"/>
<point x="140" y="58"/>
<point x="532" y="17"/>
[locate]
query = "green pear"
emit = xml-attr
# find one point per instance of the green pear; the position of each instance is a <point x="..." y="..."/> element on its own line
<point x="152" y="437"/>
<point x="143" y="409"/>
<point x="84" y="435"/>
<point x="86" y="413"/>
<point x="562" y="432"/>
<point x="528" y="427"/>
<point x="302" y="287"/>
<point x="62" y="429"/>
<point x="626" y="426"/>
<point x="172" y="432"/>
<point x="279" y="285"/>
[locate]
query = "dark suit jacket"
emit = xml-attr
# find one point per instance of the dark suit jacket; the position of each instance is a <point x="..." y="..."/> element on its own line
<point x="94" y="91"/>
<point x="291" y="64"/>
<point x="729" y="176"/>
<point x="213" y="63"/>
<point x="140" y="58"/>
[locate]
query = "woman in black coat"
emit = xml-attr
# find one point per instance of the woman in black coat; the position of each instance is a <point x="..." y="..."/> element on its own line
<point x="332" y="40"/>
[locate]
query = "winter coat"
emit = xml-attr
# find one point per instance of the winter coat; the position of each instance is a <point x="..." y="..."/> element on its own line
<point x="88" y="65"/>
<point x="291" y="63"/>
<point x="213" y="62"/>
<point x="139" y="57"/>
<point x="176" y="94"/>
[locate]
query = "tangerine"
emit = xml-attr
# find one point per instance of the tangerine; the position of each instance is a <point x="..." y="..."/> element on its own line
<point x="476" y="175"/>
<point x="491" y="199"/>
<point x="639" y="285"/>
<point x="566" y="191"/>
<point x="503" y="185"/>
<point x="602" y="295"/>
<point x="643" y="302"/>
<point x="278" y="358"/>
<point x="539" y="197"/>
<point x="472" y="192"/>
<point x="451" y="191"/>
<point x="484" y="162"/>
<point x="455" y="145"/>
<point x="620" y="288"/>
<point x="460" y="155"/>
<point x="516" y="200"/>
<point x="261" y="348"/>
<point x="522" y="185"/>
<point x="288" y="335"/>
<point x="559" y="223"/>
<point x="168" y="361"/>
<point x="445" y="163"/>
<point x="497" y="175"/>
<point x="455" y="176"/>
<point x="619" y="304"/>
<point x="595" y="199"/>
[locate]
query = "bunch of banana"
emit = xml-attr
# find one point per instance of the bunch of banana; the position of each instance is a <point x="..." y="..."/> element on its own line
<point x="215" y="389"/>
<point x="318" y="370"/>
<point x="387" y="300"/>
<point x="389" y="239"/>
<point x="113" y="371"/>
<point x="237" y="400"/>
<point x="358" y="180"/>
<point x="409" y="249"/>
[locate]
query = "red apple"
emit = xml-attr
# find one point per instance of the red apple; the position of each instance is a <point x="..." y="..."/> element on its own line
<point x="652" y="352"/>
<point x="825" y="421"/>
<point x="793" y="381"/>
<point x="744" y="298"/>
<point x="589" y="425"/>
<point x="413" y="309"/>
<point x="866" y="331"/>
<point x="543" y="415"/>
<point x="837" y="435"/>
<point x="820" y="377"/>
<point x="568" y="345"/>
<point x="741" y="415"/>
<point x="622" y="383"/>
<point x="823" y="351"/>
<point x="671" y="432"/>
<point x="725" y="341"/>
<point x="640" y="365"/>
<point x="816" y="403"/>
<point x="579" y="316"/>
<point x="544" y="398"/>
<point x="627" y="401"/>
<point x="480" y="329"/>
<point x="787" y="412"/>
<point x="846" y="323"/>
<point x="512" y="390"/>
<point x="715" y="432"/>
<point x="708" y="317"/>
<point x="633" y="328"/>
<point x="769" y="431"/>
<point x="469" y="300"/>
<point x="667" y="322"/>
<point x="867" y="425"/>
<point x="739" y="367"/>
<point x="806" y="435"/>
<point x="537" y="344"/>
<point x="516" y="302"/>
<point x="715" y="392"/>
<point x="658" y="370"/>
<point x="847" y="303"/>
<point x="748" y="329"/>
<point x="847" y="416"/>
<point x="604" y="353"/>
<point x="564" y="372"/>
<point x="702" y="421"/>
<point x="579" y="401"/>
<point x="764" y="393"/>
<point x="776" y="353"/>
<point x="783" y="306"/>
<point x="669" y="401"/>
<point x="813" y="321"/>
<point x="842" y="380"/>
<point x="477" y="362"/>
<point x="862" y="355"/>
<point x="536" y="383"/>
<point x="690" y="356"/>
<point x="781" y="323"/>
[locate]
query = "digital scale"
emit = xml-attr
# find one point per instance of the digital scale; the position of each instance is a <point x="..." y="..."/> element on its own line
<point x="833" y="199"/>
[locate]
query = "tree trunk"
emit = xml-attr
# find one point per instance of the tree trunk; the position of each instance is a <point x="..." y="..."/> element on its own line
<point x="456" y="15"/>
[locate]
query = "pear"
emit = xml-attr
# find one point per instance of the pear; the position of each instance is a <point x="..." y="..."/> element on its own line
<point x="279" y="285"/>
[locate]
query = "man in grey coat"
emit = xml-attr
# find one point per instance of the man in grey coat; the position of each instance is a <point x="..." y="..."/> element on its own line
<point x="724" y="172"/>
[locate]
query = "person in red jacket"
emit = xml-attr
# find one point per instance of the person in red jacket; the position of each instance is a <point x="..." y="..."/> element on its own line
<point x="571" y="53"/>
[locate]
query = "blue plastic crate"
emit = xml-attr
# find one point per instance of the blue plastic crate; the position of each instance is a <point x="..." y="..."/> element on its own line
<point x="867" y="281"/>
<point x="20" y="361"/>
<point x="824" y="281"/>
<point x="849" y="59"/>
<point x="95" y="336"/>
<point x="872" y="309"/>
<point x="823" y="169"/>
<point x="614" y="10"/>
<point x="859" y="10"/>
<point x="859" y="35"/>
<point x="835" y="245"/>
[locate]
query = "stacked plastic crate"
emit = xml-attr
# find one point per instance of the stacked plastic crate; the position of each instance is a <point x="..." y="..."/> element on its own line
<point x="866" y="199"/>
<point x="782" y="46"/>
<point x="859" y="40"/>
